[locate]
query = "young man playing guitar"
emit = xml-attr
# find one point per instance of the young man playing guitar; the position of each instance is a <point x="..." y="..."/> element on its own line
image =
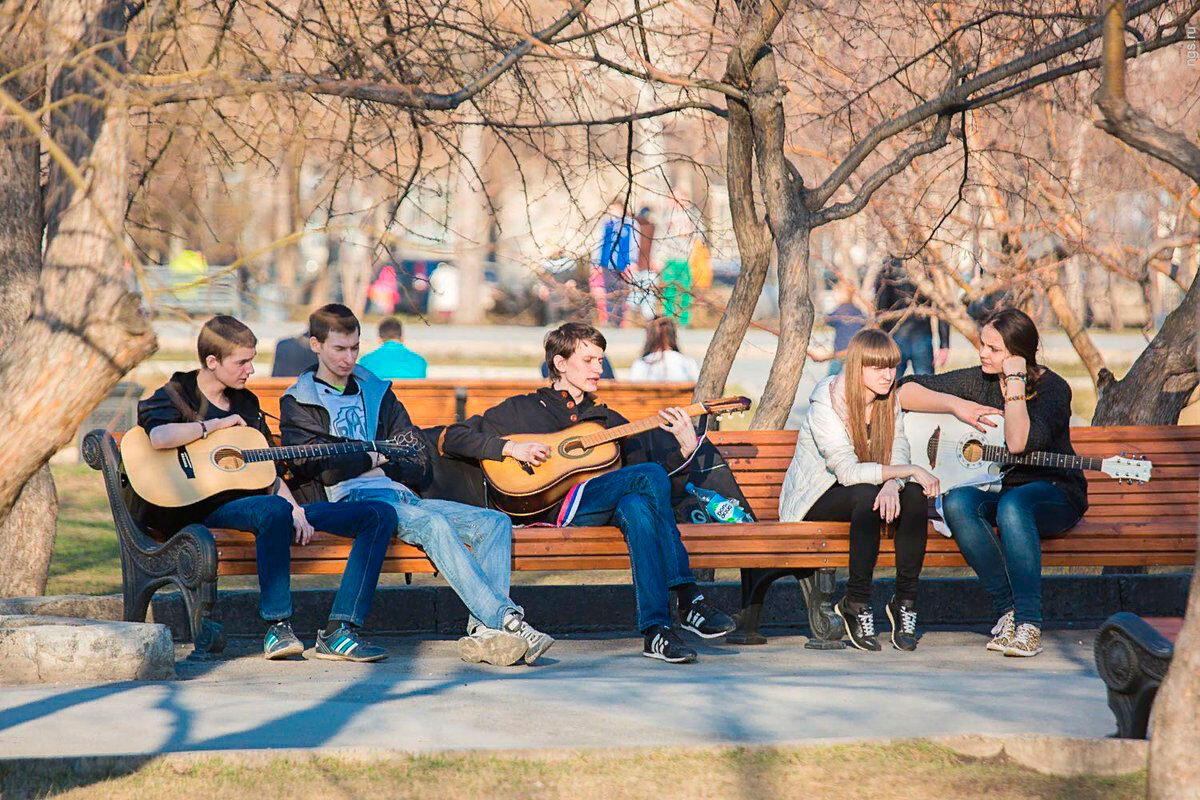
<point x="194" y="404"/>
<point x="636" y="497"/>
<point x="343" y="399"/>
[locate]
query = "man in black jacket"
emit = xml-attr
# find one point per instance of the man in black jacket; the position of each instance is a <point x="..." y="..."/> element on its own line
<point x="636" y="498"/>
<point x="194" y="404"/>
<point x="341" y="399"/>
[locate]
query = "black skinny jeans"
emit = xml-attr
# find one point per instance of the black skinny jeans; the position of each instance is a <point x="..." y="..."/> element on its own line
<point x="853" y="504"/>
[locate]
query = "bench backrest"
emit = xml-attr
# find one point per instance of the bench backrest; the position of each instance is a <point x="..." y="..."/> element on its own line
<point x="441" y="402"/>
<point x="759" y="460"/>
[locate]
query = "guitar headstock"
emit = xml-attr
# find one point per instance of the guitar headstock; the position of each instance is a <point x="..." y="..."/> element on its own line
<point x="726" y="405"/>
<point x="405" y="443"/>
<point x="1127" y="469"/>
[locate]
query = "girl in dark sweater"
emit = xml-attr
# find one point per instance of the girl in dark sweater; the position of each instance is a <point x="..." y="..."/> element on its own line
<point x="1034" y="503"/>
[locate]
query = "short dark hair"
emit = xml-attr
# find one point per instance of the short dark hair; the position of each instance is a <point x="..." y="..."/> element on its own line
<point x="565" y="339"/>
<point x="221" y="335"/>
<point x="391" y="328"/>
<point x="331" y="317"/>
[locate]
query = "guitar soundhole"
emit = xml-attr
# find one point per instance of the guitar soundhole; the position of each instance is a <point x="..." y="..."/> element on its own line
<point x="572" y="448"/>
<point x="972" y="452"/>
<point x="228" y="459"/>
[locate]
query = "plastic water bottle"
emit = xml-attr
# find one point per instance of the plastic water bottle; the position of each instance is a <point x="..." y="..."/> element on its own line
<point x="718" y="506"/>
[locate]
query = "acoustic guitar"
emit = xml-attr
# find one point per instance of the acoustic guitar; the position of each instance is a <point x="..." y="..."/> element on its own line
<point x="578" y="453"/>
<point x="960" y="455"/>
<point x="231" y="459"/>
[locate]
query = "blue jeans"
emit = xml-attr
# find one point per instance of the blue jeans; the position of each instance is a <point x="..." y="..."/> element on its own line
<point x="916" y="348"/>
<point x="1009" y="566"/>
<point x="444" y="530"/>
<point x="638" y="500"/>
<point x="269" y="518"/>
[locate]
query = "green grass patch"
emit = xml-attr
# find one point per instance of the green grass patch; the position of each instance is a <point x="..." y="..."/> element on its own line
<point x="916" y="770"/>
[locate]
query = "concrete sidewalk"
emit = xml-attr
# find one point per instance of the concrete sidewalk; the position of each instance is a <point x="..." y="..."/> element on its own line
<point x="589" y="692"/>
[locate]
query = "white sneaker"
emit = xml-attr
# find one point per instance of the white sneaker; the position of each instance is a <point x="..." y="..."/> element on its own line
<point x="1026" y="643"/>
<point x="490" y="646"/>
<point x="1003" y="632"/>
<point x="537" y="641"/>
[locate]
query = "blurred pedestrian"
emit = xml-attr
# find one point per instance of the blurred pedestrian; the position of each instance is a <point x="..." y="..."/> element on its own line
<point x="661" y="360"/>
<point x="896" y="294"/>
<point x="392" y="360"/>
<point x="846" y="319"/>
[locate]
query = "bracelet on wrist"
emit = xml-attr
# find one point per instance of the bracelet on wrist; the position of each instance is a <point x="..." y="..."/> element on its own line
<point x="1016" y="376"/>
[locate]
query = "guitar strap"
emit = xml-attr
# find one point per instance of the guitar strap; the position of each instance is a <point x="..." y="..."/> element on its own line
<point x="181" y="405"/>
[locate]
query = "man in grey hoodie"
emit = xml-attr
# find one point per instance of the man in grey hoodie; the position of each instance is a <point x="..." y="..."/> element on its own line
<point x="341" y="399"/>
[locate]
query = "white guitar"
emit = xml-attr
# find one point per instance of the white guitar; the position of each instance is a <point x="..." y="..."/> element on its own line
<point x="960" y="455"/>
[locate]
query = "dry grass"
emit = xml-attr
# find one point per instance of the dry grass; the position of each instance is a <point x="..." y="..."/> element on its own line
<point x="903" y="771"/>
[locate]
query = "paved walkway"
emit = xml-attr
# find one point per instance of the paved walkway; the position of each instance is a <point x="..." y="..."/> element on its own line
<point x="589" y="692"/>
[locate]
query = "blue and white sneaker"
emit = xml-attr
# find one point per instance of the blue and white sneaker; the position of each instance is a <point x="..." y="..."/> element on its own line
<point x="344" y="644"/>
<point x="281" y="642"/>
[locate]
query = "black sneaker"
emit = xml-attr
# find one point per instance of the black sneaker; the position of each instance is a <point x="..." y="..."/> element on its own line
<point x="903" y="617"/>
<point x="705" y="620"/>
<point x="281" y="642"/>
<point x="344" y="644"/>
<point x="860" y="627"/>
<point x="664" y="644"/>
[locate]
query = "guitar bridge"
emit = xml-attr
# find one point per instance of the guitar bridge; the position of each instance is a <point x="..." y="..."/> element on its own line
<point x="932" y="449"/>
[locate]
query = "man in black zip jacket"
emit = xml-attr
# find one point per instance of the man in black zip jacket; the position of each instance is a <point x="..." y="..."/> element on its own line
<point x="339" y="398"/>
<point x="636" y="498"/>
<point x="193" y="405"/>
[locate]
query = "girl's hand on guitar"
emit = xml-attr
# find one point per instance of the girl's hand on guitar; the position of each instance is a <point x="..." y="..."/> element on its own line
<point x="304" y="531"/>
<point x="976" y="414"/>
<point x="534" y="453"/>
<point x="887" y="502"/>
<point x="677" y="422"/>
<point x="927" y="481"/>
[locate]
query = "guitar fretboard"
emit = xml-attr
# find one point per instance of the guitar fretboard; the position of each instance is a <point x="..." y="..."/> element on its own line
<point x="305" y="451"/>
<point x="992" y="452"/>
<point x="632" y="428"/>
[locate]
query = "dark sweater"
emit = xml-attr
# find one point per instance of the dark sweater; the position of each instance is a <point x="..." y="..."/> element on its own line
<point x="1049" y="423"/>
<point x="550" y="411"/>
<point x="159" y="409"/>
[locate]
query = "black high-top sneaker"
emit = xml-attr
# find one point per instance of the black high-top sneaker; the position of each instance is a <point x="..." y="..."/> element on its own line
<point x="860" y="625"/>
<point x="903" y="616"/>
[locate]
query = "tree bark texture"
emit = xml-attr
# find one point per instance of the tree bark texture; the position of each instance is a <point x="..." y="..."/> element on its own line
<point x="85" y="329"/>
<point x="27" y="536"/>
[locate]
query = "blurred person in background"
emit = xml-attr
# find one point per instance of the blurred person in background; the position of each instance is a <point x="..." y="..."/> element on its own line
<point x="444" y="291"/>
<point x="614" y="258"/>
<point x="643" y="295"/>
<point x="846" y="319"/>
<point x="392" y="361"/>
<point x="895" y="293"/>
<point x="661" y="360"/>
<point x="292" y="356"/>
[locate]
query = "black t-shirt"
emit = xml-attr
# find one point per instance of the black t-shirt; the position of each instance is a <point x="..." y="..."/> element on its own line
<point x="1049" y="422"/>
<point x="160" y="409"/>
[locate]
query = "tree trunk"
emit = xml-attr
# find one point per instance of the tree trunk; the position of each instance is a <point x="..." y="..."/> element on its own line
<point x="1085" y="348"/>
<point x="27" y="536"/>
<point x="1175" y="740"/>
<point x="754" y="247"/>
<point x="86" y="329"/>
<point x="1161" y="380"/>
<point x="471" y="218"/>
<point x="795" y="327"/>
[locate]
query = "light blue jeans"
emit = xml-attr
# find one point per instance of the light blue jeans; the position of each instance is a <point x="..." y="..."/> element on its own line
<point x="445" y="530"/>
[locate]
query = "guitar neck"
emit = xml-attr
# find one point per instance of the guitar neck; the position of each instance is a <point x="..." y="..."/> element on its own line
<point x="632" y="428"/>
<point x="1001" y="455"/>
<point x="306" y="451"/>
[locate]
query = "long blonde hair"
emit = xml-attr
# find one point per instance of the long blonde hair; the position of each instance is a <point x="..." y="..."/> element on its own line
<point x="870" y="347"/>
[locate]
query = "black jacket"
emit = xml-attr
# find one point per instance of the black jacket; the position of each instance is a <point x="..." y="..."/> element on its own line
<point x="550" y="411"/>
<point x="161" y="409"/>
<point x="303" y="420"/>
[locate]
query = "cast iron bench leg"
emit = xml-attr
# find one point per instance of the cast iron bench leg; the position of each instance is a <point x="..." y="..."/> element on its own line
<point x="1132" y="659"/>
<point x="816" y="585"/>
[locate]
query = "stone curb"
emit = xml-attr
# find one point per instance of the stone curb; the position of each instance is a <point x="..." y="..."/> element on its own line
<point x="1049" y="755"/>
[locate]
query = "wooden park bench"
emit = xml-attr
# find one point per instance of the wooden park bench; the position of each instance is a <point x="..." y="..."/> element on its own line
<point x="1148" y="524"/>
<point x="1132" y="656"/>
<point x="442" y="402"/>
